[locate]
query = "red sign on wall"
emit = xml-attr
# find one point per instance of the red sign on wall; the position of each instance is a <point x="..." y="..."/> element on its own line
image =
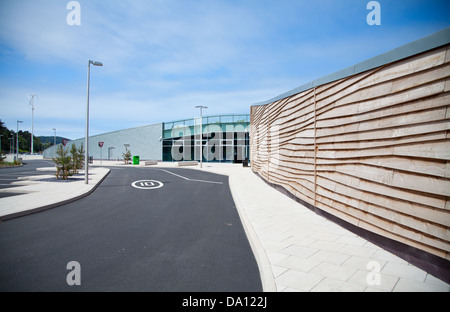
<point x="101" y="144"/>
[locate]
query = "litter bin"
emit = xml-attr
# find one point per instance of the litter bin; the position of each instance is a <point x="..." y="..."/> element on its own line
<point x="91" y="159"/>
<point x="135" y="160"/>
<point x="245" y="163"/>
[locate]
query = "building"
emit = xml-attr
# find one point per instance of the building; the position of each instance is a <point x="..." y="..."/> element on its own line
<point x="369" y="148"/>
<point x="225" y="139"/>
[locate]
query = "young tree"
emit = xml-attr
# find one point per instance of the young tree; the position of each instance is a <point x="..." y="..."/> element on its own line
<point x="63" y="162"/>
<point x="74" y="153"/>
<point x="80" y="157"/>
<point x="127" y="156"/>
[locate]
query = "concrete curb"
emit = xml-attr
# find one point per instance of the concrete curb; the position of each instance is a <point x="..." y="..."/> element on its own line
<point x="14" y="166"/>
<point x="265" y="268"/>
<point x="53" y="205"/>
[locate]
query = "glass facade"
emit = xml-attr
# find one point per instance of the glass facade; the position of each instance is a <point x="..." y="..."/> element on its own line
<point x="225" y="138"/>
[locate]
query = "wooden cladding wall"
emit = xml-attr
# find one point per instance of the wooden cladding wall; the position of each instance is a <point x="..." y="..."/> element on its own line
<point x="372" y="149"/>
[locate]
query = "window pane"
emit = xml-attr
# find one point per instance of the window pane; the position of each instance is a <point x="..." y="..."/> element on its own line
<point x="212" y="120"/>
<point x="226" y="119"/>
<point x="240" y="118"/>
<point x="167" y="134"/>
<point x="178" y="124"/>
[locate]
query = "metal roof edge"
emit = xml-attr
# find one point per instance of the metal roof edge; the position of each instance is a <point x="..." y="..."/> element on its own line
<point x="114" y="131"/>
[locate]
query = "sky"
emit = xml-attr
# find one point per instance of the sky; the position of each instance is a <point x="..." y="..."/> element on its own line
<point x="164" y="57"/>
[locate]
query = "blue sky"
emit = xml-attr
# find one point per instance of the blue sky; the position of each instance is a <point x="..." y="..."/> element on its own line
<point x="163" y="57"/>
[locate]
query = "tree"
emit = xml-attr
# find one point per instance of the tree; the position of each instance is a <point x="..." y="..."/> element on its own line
<point x="63" y="162"/>
<point x="80" y="158"/>
<point x="127" y="156"/>
<point x="24" y="144"/>
<point x="24" y="140"/>
<point x="6" y="134"/>
<point x="74" y="153"/>
<point x="68" y="161"/>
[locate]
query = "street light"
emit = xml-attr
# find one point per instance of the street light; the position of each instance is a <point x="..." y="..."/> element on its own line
<point x="17" y="146"/>
<point x="201" y="133"/>
<point x="54" y="141"/>
<point x="32" y="121"/>
<point x="12" y="143"/>
<point x="86" y="139"/>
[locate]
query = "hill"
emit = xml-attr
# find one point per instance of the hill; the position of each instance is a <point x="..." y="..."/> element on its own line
<point x="51" y="139"/>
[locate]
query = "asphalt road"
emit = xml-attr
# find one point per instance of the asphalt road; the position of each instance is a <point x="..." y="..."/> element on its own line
<point x="185" y="235"/>
<point x="10" y="174"/>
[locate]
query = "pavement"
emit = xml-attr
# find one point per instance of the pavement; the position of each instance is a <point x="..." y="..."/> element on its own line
<point x="296" y="249"/>
<point x="32" y="195"/>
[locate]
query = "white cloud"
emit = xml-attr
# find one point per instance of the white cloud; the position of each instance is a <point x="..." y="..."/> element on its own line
<point x="163" y="57"/>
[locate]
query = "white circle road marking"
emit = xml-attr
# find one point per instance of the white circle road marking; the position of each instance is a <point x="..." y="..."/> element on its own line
<point x="147" y="184"/>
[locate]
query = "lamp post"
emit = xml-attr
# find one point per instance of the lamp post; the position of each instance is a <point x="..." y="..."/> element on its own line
<point x="54" y="141"/>
<point x="86" y="139"/>
<point x="17" y="146"/>
<point x="12" y="143"/>
<point x="201" y="133"/>
<point x="32" y="121"/>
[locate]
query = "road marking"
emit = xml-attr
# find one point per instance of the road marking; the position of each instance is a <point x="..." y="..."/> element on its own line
<point x="16" y="173"/>
<point x="147" y="184"/>
<point x="188" y="179"/>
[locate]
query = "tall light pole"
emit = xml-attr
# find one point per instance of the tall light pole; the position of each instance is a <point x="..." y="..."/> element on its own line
<point x="17" y="146"/>
<point x="12" y="143"/>
<point x="86" y="139"/>
<point x="201" y="133"/>
<point x="32" y="121"/>
<point x="54" y="141"/>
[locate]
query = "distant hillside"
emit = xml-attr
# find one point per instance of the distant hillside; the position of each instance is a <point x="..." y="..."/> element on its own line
<point x="51" y="139"/>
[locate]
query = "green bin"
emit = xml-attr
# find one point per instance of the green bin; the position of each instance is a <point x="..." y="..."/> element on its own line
<point x="135" y="160"/>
